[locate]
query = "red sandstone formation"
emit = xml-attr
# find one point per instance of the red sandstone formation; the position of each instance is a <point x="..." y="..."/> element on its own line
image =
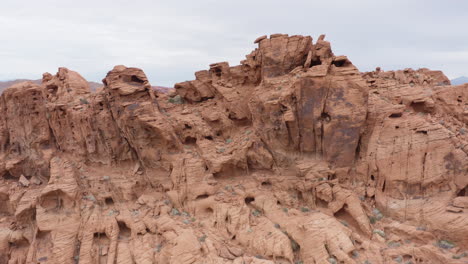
<point x="294" y="156"/>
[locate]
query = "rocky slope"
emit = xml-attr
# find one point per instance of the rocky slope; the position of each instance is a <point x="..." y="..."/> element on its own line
<point x="93" y="86"/>
<point x="294" y="156"/>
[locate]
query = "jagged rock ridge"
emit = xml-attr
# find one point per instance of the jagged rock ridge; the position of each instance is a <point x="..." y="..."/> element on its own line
<point x="294" y="156"/>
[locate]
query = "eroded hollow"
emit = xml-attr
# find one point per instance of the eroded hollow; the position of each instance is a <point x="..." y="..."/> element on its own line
<point x="341" y="63"/>
<point x="202" y="196"/>
<point x="463" y="192"/>
<point x="190" y="140"/>
<point x="124" y="231"/>
<point x="395" y="115"/>
<point x="325" y="117"/>
<point x="109" y="201"/>
<point x="55" y="201"/>
<point x="419" y="107"/>
<point x="249" y="199"/>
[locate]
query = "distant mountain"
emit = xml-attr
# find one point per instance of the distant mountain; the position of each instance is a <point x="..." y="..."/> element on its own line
<point x="5" y="84"/>
<point x="162" y="89"/>
<point x="459" y="80"/>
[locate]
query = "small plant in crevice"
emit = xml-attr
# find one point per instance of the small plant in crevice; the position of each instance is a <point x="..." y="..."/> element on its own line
<point x="445" y="244"/>
<point x="158" y="248"/>
<point x="256" y="213"/>
<point x="343" y="222"/>
<point x="379" y="232"/>
<point x="377" y="214"/>
<point x="462" y="255"/>
<point x="174" y="211"/>
<point x="393" y="244"/>
<point x="176" y="100"/>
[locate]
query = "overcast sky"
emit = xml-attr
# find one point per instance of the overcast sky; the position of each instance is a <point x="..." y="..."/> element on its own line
<point x="170" y="40"/>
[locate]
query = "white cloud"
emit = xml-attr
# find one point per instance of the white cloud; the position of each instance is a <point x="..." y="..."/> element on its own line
<point x="170" y="40"/>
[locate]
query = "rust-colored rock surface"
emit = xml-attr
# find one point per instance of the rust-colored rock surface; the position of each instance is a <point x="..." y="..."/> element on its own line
<point x="294" y="156"/>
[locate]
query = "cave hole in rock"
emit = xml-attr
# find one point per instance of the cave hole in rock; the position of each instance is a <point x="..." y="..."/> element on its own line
<point x="341" y="63"/>
<point x="98" y="235"/>
<point x="134" y="78"/>
<point x="266" y="184"/>
<point x="101" y="242"/>
<point x="459" y="99"/>
<point x="8" y="176"/>
<point x="397" y="127"/>
<point x="217" y="71"/>
<point x="190" y="140"/>
<point x="54" y="201"/>
<point x="383" y="186"/>
<point x="321" y="203"/>
<point x="209" y="210"/>
<point x="346" y="218"/>
<point x="463" y="192"/>
<point x="249" y="199"/>
<point x="395" y="115"/>
<point x="109" y="201"/>
<point x="422" y="132"/>
<point x="26" y="216"/>
<point x="372" y="177"/>
<point x="42" y="234"/>
<point x="187" y="126"/>
<point x="202" y="196"/>
<point x="356" y="152"/>
<point x="325" y="117"/>
<point x="124" y="230"/>
<point x="208" y="137"/>
<point x="315" y="62"/>
<point x="52" y="89"/>
<point x="418" y="107"/>
<point x="43" y="243"/>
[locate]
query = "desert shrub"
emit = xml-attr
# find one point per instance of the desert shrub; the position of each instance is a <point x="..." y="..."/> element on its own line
<point x="176" y="100"/>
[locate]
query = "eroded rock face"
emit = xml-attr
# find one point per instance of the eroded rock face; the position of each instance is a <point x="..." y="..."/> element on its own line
<point x="294" y="156"/>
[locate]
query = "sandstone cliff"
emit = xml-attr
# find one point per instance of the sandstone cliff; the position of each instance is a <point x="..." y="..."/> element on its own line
<point x="293" y="156"/>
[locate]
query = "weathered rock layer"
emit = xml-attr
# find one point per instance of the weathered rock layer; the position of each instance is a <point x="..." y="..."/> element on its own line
<point x="294" y="156"/>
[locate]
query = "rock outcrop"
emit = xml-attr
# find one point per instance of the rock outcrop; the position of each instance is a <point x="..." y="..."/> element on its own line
<point x="293" y="156"/>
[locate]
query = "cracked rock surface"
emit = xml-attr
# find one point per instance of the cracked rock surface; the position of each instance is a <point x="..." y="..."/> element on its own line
<point x="293" y="156"/>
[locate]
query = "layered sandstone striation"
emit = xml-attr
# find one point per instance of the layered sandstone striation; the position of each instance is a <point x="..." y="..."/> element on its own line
<point x="293" y="156"/>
